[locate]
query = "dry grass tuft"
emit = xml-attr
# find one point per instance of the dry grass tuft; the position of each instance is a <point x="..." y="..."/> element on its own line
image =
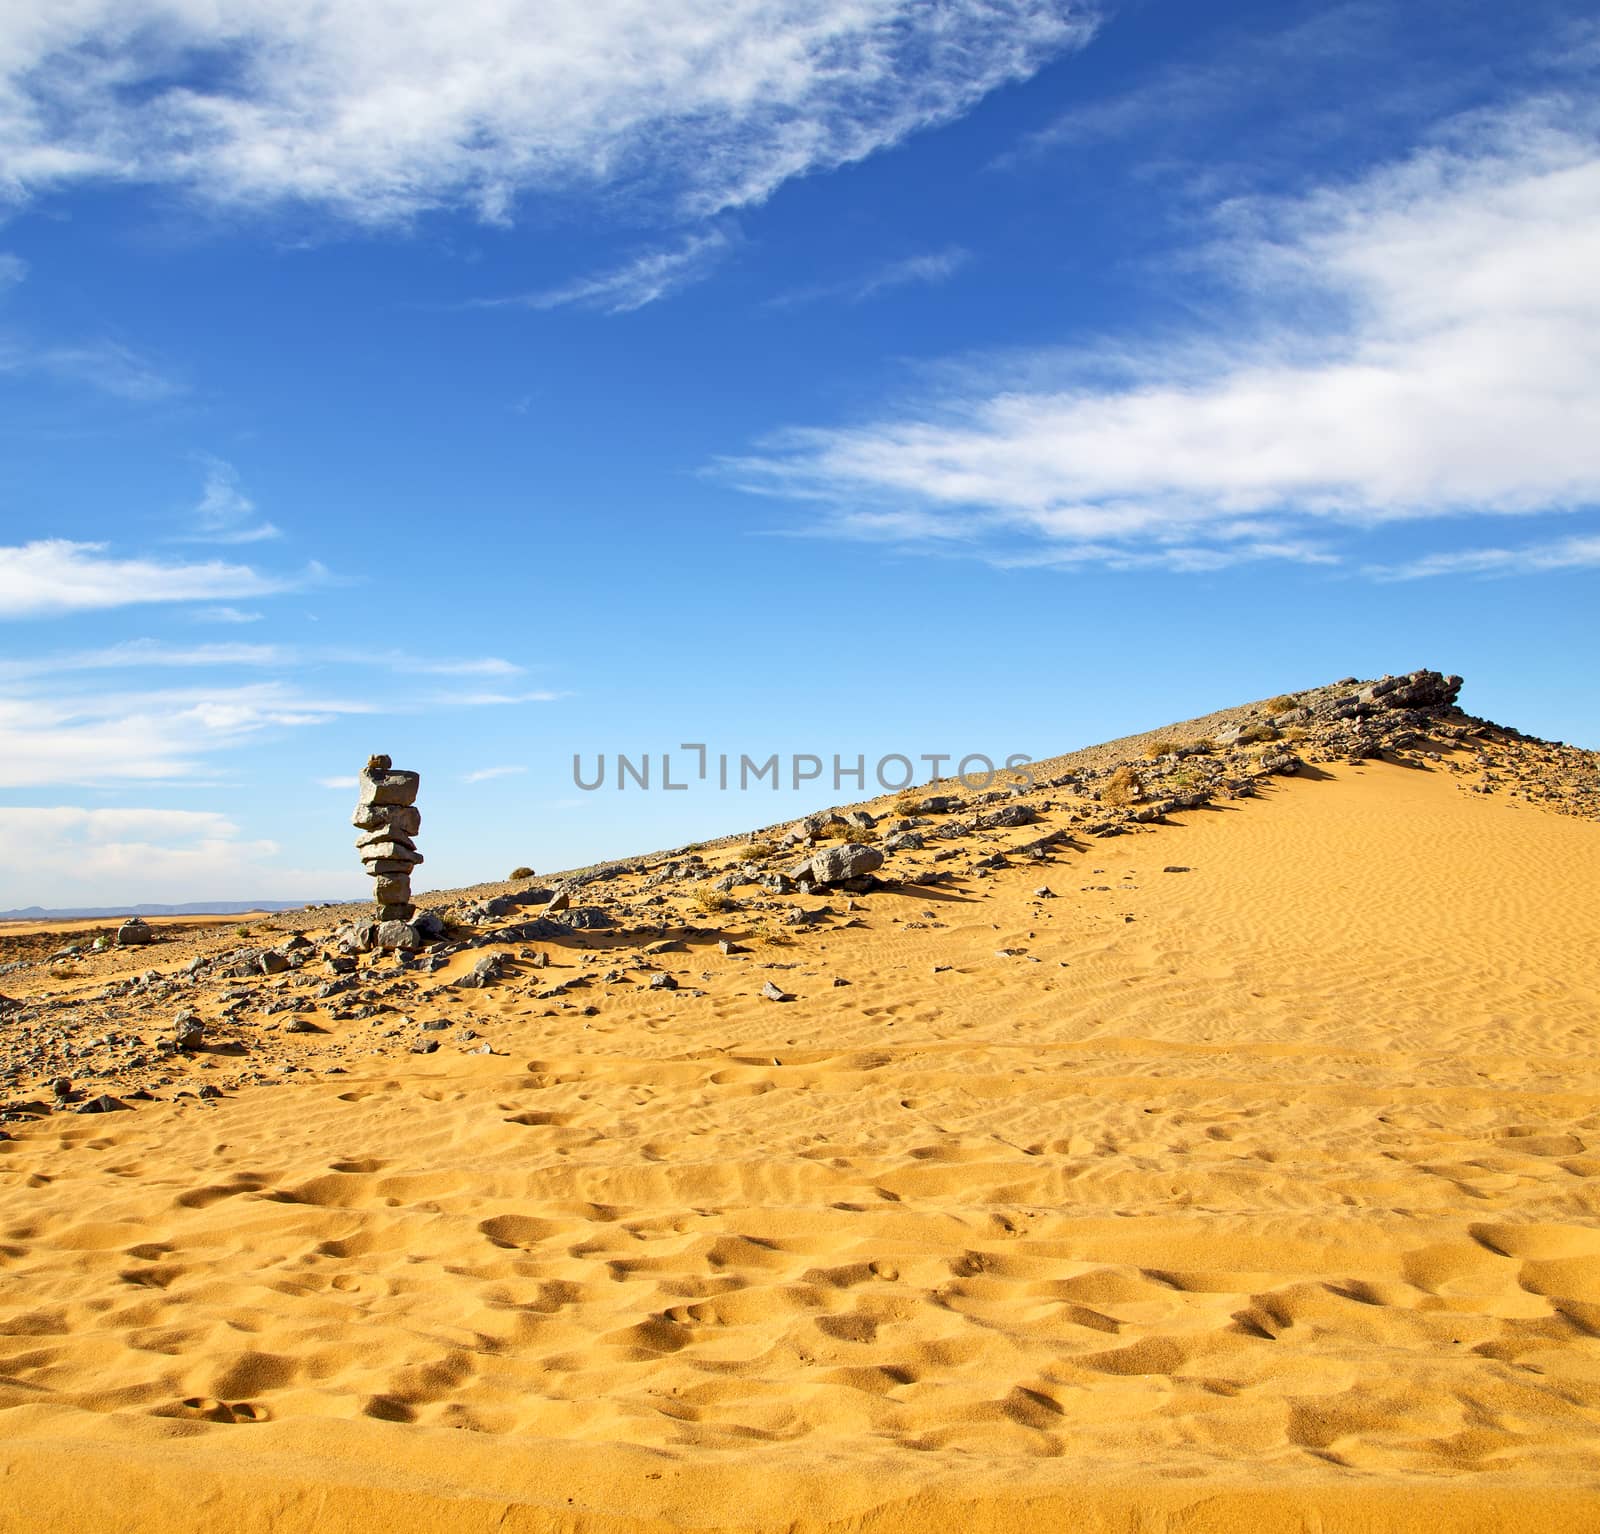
<point x="1119" y="789"/>
<point x="710" y="900"/>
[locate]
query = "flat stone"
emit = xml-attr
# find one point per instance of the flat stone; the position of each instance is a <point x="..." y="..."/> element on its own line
<point x="393" y="785"/>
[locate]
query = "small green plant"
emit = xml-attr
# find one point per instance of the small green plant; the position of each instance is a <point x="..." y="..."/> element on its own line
<point x="241" y="930"/>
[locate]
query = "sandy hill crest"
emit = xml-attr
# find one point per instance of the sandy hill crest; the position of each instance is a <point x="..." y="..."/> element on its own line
<point x="1208" y="1135"/>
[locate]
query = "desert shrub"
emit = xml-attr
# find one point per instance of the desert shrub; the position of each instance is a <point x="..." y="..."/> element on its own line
<point x="1165" y="746"/>
<point x="756" y="848"/>
<point x="1205" y="746"/>
<point x="241" y="930"/>
<point x="1258" y="734"/>
<point x="1119" y="788"/>
<point x="521" y="873"/>
<point x="1282" y="704"/>
<point x="710" y="900"/>
<point x="62" y="972"/>
<point x="845" y="832"/>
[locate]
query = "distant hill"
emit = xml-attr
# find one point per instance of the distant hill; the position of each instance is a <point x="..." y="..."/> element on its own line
<point x="111" y="913"/>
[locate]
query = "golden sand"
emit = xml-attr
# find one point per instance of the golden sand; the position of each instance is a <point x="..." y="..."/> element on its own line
<point x="1260" y="1195"/>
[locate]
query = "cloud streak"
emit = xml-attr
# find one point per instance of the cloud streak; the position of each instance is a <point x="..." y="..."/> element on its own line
<point x="54" y="576"/>
<point x="382" y="109"/>
<point x="1422" y="342"/>
<point x="651" y="275"/>
<point x="928" y="270"/>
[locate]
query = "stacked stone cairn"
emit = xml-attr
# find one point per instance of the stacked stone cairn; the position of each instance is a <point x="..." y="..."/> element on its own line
<point x="388" y="820"/>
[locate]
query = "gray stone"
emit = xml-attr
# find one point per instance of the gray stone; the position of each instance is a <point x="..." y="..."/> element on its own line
<point x="774" y="993"/>
<point x="484" y="973"/>
<point x="385" y="786"/>
<point x="663" y="982"/>
<point x="397" y="935"/>
<point x="391" y="868"/>
<point x="393" y="889"/>
<point x="134" y="932"/>
<point x="399" y="853"/>
<point x="388" y="819"/>
<point x="833" y="865"/>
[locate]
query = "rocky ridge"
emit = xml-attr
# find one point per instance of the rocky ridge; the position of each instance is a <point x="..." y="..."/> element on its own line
<point x="207" y="1011"/>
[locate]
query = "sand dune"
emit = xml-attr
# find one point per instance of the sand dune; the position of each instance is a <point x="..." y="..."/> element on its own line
<point x="1251" y="1178"/>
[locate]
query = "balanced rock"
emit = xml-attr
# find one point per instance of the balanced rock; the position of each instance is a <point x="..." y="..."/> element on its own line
<point x="384" y="786"/>
<point x="134" y="932"/>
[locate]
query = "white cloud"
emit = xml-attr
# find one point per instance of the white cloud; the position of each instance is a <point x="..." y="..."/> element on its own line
<point x="1422" y="342"/>
<point x="13" y="270"/>
<point x="48" y="736"/>
<point x="225" y="615"/>
<point x="144" y="654"/>
<point x="484" y="774"/>
<point x="67" y="855"/>
<point x="1579" y="553"/>
<point x="55" y="576"/>
<point x="488" y="665"/>
<point x="336" y="782"/>
<point x="225" y="514"/>
<point x="379" y="109"/>
<point x="649" y="276"/>
<point x="930" y="269"/>
<point x="110" y="366"/>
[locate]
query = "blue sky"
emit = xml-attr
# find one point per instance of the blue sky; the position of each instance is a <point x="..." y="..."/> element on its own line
<point x="492" y="383"/>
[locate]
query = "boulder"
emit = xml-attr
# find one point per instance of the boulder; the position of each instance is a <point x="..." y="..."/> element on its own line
<point x="397" y="934"/>
<point x="393" y="889"/>
<point x="387" y="819"/>
<point x="134" y="932"/>
<point x="1007" y="815"/>
<point x="833" y="865"/>
<point x="388" y="785"/>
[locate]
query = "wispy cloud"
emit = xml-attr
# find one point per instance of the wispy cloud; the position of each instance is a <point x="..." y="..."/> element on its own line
<point x="13" y="270"/>
<point x="484" y="774"/>
<point x="70" y="854"/>
<point x="54" y="576"/>
<point x="109" y="366"/>
<point x="53" y="737"/>
<point x="143" y="655"/>
<point x="349" y="782"/>
<point x="1577" y="553"/>
<point x="488" y="665"/>
<point x="647" y="277"/>
<point x="928" y="270"/>
<point x="232" y="615"/>
<point x="380" y="112"/>
<point x="1421" y="342"/>
<point x="224" y="513"/>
